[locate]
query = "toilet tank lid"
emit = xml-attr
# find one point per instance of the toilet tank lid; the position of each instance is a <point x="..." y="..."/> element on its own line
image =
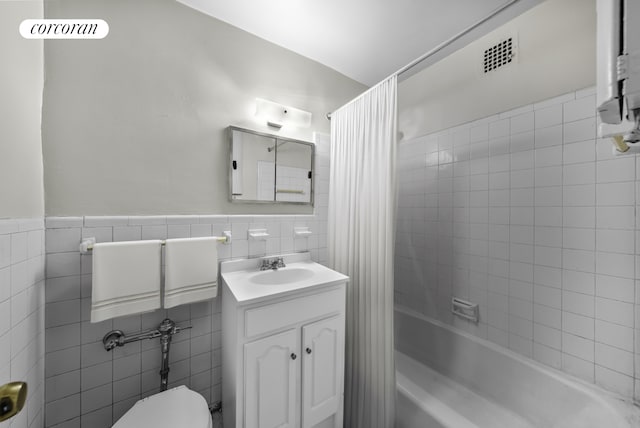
<point x="175" y="408"/>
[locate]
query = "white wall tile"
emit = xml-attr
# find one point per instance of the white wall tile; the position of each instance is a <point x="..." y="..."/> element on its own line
<point x="614" y="359"/>
<point x="548" y="216"/>
<point x="614" y="335"/>
<point x="5" y="250"/>
<point x="581" y="108"/>
<point x="579" y="239"/>
<point x="578" y="346"/>
<point x="580" y="130"/>
<point x="548" y="196"/>
<point x="579" y="216"/>
<point x="19" y="249"/>
<point x="62" y="410"/>
<point x="582" y="173"/>
<point x="615" y="241"/>
<point x="551" y="317"/>
<point x="22" y="310"/>
<point x="96" y="398"/>
<point x="56" y="222"/>
<point x="548" y="256"/>
<point x="499" y="128"/>
<point x="616" y="170"/>
<point x="578" y="325"/>
<point x="583" y="151"/>
<point x="549" y="156"/>
<point x="63" y="385"/>
<point x="615" y="288"/>
<point x="614" y="381"/>
<point x="547" y="336"/>
<point x="578" y="303"/>
<point x="621" y="193"/>
<point x="521" y="345"/>
<point x="61" y="313"/>
<point x="479" y="133"/>
<point x="548" y="296"/>
<point x="551" y="136"/>
<point x="550" y="176"/>
<point x="621" y="217"/>
<point x="554" y="237"/>
<point x="548" y="236"/>
<point x="549" y="116"/>
<point x="522" y="122"/>
<point x="127" y="233"/>
<point x="548" y="276"/>
<point x="546" y="355"/>
<point x="614" y="311"/>
<point x="580" y="282"/>
<point x="612" y="264"/>
<point x="521" y="142"/>
<point x="578" y="367"/>
<point x="63" y="264"/>
<point x="522" y="160"/>
<point x="578" y="260"/>
<point x="579" y="195"/>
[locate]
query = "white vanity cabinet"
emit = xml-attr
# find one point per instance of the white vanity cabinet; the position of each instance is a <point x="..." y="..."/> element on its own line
<point x="283" y="352"/>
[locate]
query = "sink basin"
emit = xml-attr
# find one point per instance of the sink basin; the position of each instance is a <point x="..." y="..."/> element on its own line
<point x="243" y="280"/>
<point x="281" y="276"/>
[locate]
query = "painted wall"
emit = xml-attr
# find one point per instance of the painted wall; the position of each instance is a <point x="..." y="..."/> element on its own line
<point x="135" y="123"/>
<point x="528" y="214"/>
<point x="21" y="74"/>
<point x="555" y="54"/>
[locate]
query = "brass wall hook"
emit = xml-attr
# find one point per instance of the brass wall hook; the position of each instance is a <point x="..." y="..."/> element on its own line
<point x="12" y="398"/>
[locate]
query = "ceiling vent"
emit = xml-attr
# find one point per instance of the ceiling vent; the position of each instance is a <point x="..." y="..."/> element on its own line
<point x="499" y="55"/>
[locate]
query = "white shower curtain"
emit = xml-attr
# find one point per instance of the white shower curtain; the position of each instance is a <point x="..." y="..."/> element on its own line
<point x="362" y="204"/>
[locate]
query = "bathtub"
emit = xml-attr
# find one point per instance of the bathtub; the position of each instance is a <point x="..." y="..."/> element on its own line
<point x="447" y="378"/>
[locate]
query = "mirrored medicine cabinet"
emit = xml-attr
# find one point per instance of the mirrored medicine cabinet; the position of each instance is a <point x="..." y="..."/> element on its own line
<point x="266" y="168"/>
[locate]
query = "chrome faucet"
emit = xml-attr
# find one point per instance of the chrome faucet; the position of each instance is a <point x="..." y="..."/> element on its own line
<point x="272" y="264"/>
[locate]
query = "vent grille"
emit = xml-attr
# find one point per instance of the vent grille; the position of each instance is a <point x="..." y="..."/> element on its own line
<point x="498" y="55"/>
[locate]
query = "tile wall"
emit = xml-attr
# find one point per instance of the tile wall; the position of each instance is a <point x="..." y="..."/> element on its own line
<point x="22" y="314"/>
<point x="90" y="387"/>
<point x="529" y="215"/>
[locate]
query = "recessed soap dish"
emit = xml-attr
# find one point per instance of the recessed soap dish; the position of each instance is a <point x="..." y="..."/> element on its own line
<point x="257" y="234"/>
<point x="302" y="232"/>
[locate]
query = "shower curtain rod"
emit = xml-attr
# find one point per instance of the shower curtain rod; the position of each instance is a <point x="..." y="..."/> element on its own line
<point x="454" y="38"/>
<point x="438" y="48"/>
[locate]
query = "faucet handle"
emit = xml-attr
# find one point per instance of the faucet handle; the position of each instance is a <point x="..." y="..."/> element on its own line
<point x="280" y="262"/>
<point x="266" y="264"/>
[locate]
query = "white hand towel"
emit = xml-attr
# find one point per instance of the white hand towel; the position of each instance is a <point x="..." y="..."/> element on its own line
<point x="191" y="270"/>
<point x="126" y="278"/>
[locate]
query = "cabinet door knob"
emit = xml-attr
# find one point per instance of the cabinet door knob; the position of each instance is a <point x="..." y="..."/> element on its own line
<point x="308" y="350"/>
<point x="293" y="356"/>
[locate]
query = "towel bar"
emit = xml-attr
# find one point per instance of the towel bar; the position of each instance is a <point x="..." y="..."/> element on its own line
<point x="87" y="244"/>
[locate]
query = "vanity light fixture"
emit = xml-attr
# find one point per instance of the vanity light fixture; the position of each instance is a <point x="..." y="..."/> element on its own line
<point x="278" y="115"/>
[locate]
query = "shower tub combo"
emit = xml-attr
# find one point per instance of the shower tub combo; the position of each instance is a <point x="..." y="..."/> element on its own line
<point x="447" y="378"/>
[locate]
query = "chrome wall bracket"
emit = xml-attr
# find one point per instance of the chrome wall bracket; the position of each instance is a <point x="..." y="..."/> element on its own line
<point x="165" y="332"/>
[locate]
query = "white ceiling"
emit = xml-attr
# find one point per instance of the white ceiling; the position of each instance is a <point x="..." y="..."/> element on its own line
<point x="366" y="40"/>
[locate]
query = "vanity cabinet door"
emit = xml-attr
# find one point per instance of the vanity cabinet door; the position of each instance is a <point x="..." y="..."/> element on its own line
<point x="322" y="370"/>
<point x="271" y="370"/>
